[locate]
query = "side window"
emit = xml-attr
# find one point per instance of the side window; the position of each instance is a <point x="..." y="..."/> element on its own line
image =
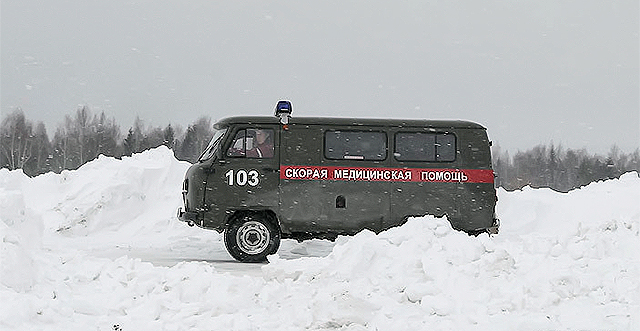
<point x="355" y="145"/>
<point x="445" y="147"/>
<point x="415" y="147"/>
<point x="238" y="146"/>
<point x="425" y="147"/>
<point x="252" y="143"/>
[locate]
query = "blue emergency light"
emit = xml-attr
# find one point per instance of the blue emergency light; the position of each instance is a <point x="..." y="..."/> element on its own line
<point x="284" y="106"/>
<point x="283" y="111"/>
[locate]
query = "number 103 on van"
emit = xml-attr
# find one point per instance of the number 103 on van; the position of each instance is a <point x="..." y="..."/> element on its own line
<point x="242" y="177"/>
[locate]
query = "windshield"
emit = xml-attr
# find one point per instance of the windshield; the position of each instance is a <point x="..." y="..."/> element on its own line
<point x="211" y="149"/>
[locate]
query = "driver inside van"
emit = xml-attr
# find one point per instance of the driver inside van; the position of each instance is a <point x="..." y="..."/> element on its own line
<point x="263" y="146"/>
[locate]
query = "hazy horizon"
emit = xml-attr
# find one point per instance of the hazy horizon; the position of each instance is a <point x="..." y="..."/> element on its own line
<point x="532" y="72"/>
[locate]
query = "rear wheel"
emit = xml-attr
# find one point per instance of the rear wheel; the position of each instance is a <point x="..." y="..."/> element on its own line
<point x="252" y="236"/>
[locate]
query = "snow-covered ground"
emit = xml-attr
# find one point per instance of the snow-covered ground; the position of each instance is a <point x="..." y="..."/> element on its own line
<point x="100" y="249"/>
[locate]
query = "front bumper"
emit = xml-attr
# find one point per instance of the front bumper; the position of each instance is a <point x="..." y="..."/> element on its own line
<point x="187" y="216"/>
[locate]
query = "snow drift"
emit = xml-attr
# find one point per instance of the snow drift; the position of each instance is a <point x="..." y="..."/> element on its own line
<point x="99" y="248"/>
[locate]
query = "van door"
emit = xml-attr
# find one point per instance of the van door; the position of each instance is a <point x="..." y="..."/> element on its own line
<point x="247" y="177"/>
<point x="323" y="186"/>
<point x="354" y="196"/>
<point x="300" y="191"/>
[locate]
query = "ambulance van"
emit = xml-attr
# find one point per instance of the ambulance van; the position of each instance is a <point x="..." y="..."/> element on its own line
<point x="263" y="179"/>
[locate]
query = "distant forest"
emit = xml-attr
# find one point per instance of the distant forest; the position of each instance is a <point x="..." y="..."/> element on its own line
<point x="558" y="168"/>
<point x="84" y="136"/>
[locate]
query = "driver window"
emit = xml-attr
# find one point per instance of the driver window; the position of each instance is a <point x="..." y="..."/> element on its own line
<point x="252" y="143"/>
<point x="237" y="148"/>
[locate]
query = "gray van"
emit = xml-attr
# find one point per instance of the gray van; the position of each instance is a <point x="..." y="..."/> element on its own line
<point x="261" y="179"/>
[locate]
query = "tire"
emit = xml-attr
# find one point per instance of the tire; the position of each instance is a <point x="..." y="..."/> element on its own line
<point x="252" y="236"/>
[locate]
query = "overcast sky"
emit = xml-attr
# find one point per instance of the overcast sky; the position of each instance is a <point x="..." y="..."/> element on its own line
<point x="532" y="71"/>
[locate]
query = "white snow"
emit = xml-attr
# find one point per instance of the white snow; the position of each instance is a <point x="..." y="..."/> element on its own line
<point x="100" y="249"/>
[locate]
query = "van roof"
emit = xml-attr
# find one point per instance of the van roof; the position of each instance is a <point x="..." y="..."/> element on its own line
<point x="342" y="121"/>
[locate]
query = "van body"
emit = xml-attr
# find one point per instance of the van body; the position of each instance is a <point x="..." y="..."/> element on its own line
<point x="323" y="177"/>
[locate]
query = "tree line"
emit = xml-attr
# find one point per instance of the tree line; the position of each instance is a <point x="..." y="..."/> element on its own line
<point x="559" y="168"/>
<point x="84" y="136"/>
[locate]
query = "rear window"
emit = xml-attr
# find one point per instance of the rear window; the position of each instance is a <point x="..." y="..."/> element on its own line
<point x="425" y="147"/>
<point x="355" y="145"/>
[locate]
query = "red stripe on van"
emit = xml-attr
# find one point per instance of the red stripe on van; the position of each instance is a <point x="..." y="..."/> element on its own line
<point x="387" y="174"/>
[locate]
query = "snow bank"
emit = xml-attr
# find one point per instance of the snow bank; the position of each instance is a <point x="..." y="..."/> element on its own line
<point x="20" y="233"/>
<point x="564" y="261"/>
<point x="561" y="261"/>
<point x="105" y="197"/>
<point x="109" y="193"/>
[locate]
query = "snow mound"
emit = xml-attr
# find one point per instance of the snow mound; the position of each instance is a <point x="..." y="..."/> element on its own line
<point x="575" y="257"/>
<point x="559" y="256"/>
<point x="108" y="193"/>
<point x="561" y="261"/>
<point x="134" y="195"/>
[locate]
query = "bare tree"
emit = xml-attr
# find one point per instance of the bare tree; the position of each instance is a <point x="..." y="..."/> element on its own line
<point x="107" y="135"/>
<point x="82" y="138"/>
<point x="41" y="161"/>
<point x="16" y="134"/>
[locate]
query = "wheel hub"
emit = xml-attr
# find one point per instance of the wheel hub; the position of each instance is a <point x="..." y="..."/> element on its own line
<point x="253" y="237"/>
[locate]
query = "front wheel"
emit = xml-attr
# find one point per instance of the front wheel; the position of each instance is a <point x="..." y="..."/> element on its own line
<point x="251" y="237"/>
